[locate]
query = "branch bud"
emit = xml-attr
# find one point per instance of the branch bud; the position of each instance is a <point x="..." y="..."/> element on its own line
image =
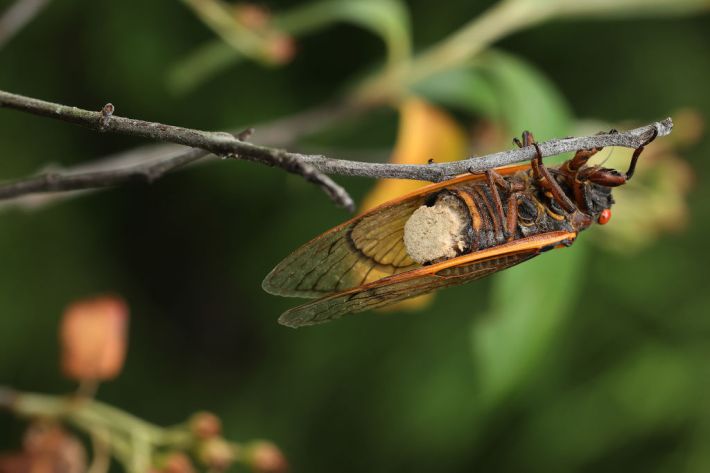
<point x="280" y="48"/>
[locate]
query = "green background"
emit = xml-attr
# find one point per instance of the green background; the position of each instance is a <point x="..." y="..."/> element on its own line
<point x="607" y="372"/>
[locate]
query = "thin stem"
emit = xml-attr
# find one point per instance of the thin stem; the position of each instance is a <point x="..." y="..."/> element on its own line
<point x="221" y="20"/>
<point x="499" y="21"/>
<point x="474" y="37"/>
<point x="87" y="388"/>
<point x="131" y="440"/>
<point x="56" y="182"/>
<point x="100" y="453"/>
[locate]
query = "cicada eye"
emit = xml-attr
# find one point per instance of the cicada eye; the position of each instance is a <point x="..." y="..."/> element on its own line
<point x="604" y="217"/>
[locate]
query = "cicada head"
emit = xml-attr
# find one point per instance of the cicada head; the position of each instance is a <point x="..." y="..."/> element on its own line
<point x="591" y="186"/>
<point x="598" y="200"/>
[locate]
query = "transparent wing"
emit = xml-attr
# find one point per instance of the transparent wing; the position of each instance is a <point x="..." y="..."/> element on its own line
<point x="365" y="249"/>
<point x="360" y="251"/>
<point x="423" y="280"/>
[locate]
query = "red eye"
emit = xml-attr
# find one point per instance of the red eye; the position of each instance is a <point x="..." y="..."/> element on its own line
<point x="604" y="217"/>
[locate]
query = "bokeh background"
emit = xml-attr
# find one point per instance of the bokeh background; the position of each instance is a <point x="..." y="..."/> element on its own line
<point x="593" y="358"/>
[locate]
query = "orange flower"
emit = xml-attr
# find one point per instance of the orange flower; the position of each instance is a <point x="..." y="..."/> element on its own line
<point x="93" y="336"/>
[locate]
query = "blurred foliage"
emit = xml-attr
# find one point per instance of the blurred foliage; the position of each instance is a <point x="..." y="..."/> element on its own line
<point x="592" y="358"/>
<point x="386" y="18"/>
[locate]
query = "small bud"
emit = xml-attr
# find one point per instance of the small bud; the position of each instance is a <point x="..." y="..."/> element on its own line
<point x="106" y="114"/>
<point x="265" y="457"/>
<point x="216" y="453"/>
<point x="280" y="48"/>
<point x="205" y="425"/>
<point x="93" y="337"/>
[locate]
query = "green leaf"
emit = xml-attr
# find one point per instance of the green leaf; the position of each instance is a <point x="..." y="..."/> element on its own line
<point x="463" y="89"/>
<point x="528" y="99"/>
<point x="503" y="88"/>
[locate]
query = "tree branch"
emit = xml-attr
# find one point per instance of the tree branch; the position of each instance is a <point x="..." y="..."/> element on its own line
<point x="219" y="143"/>
<point x="281" y="132"/>
<point x="56" y="182"/>
<point x="437" y="172"/>
<point x="313" y="168"/>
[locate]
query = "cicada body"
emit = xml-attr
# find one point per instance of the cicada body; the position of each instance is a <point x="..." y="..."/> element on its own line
<point x="445" y="234"/>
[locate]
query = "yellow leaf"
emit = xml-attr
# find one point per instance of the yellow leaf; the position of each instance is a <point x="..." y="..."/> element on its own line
<point x="425" y="132"/>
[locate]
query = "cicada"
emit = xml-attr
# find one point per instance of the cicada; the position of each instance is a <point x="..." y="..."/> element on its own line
<point x="446" y="234"/>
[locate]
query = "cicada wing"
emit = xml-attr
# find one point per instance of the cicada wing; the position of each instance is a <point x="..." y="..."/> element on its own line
<point x="365" y="249"/>
<point x="423" y="280"/>
<point x="390" y="290"/>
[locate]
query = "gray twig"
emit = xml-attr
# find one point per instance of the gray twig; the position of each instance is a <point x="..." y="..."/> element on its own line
<point x="219" y="143"/>
<point x="437" y="172"/>
<point x="314" y="168"/>
<point x="282" y="132"/>
<point x="57" y="182"/>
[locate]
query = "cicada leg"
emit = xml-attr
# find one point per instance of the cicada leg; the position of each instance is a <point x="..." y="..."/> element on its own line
<point x="637" y="153"/>
<point x="547" y="182"/>
<point x="495" y="180"/>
